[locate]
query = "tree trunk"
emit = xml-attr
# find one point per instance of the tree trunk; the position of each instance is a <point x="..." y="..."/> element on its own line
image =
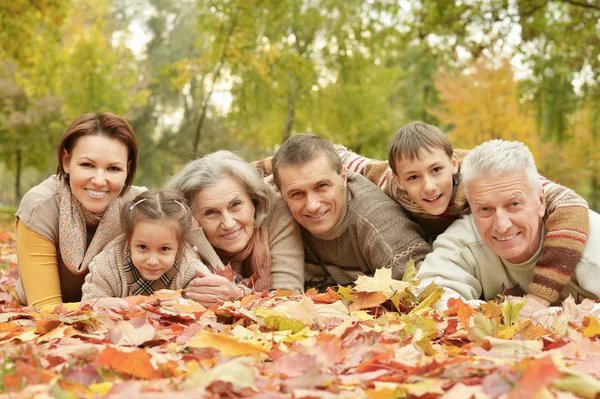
<point x="18" y="178"/>
<point x="291" y="110"/>
<point x="594" y="194"/>
<point x="216" y="75"/>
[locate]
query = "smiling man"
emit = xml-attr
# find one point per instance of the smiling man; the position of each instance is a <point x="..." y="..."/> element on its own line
<point x="498" y="245"/>
<point x="349" y="226"/>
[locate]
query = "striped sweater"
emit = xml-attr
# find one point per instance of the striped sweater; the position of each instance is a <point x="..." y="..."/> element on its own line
<point x="566" y="219"/>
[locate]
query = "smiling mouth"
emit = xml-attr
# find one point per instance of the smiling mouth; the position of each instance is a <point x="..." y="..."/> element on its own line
<point x="96" y="194"/>
<point x="233" y="234"/>
<point x="320" y="215"/>
<point x="433" y="199"/>
<point x="508" y="238"/>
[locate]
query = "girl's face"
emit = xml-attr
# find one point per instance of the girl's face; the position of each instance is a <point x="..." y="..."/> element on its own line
<point x="225" y="212"/>
<point x="97" y="168"/>
<point x="154" y="246"/>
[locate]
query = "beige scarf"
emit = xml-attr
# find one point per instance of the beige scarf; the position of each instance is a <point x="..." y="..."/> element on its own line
<point x="72" y="229"/>
<point x="256" y="258"/>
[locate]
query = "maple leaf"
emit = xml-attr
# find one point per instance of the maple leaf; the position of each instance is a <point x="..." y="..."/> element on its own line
<point x="135" y="363"/>
<point x="236" y="372"/>
<point x="380" y="282"/>
<point x="346" y="293"/>
<point x="410" y="272"/>
<point x="279" y="321"/>
<point x="228" y="345"/>
<point x="510" y="312"/>
<point x="226" y="272"/>
<point x="367" y="300"/>
<point x="593" y="327"/>
<point x="538" y="373"/>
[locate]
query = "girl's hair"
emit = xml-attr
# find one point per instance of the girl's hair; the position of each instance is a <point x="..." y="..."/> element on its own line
<point x="103" y="124"/>
<point x="157" y="205"/>
<point x="209" y="170"/>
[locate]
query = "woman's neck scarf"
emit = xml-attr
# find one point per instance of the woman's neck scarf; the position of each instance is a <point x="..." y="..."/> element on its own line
<point x="256" y="258"/>
<point x="72" y="229"/>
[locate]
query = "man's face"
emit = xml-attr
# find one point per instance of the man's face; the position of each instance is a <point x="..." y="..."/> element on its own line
<point x="315" y="193"/>
<point x="427" y="179"/>
<point x="508" y="215"/>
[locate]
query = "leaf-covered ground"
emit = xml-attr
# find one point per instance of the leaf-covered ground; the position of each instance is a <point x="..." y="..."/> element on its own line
<point x="374" y="341"/>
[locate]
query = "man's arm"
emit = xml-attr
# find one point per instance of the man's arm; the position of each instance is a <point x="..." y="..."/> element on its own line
<point x="452" y="265"/>
<point x="567" y="229"/>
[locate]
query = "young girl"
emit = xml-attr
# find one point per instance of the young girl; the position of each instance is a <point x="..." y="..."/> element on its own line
<point x="151" y="255"/>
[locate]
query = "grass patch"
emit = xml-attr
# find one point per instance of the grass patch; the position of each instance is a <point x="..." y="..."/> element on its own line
<point x="7" y="217"/>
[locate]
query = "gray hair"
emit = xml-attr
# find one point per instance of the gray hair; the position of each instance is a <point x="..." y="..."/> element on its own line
<point x="210" y="169"/>
<point x="495" y="157"/>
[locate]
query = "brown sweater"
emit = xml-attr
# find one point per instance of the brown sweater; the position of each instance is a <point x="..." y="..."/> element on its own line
<point x="374" y="232"/>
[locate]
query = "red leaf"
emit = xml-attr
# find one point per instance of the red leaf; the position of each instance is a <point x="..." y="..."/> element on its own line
<point x="538" y="374"/>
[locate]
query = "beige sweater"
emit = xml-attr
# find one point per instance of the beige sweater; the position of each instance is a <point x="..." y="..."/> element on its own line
<point x="107" y="276"/>
<point x="285" y="243"/>
<point x="39" y="210"/>
<point x="466" y="267"/>
<point x="374" y="232"/>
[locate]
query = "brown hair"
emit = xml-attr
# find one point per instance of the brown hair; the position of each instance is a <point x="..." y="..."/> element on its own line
<point x="412" y="138"/>
<point x="302" y="148"/>
<point x="102" y="124"/>
<point x="157" y="205"/>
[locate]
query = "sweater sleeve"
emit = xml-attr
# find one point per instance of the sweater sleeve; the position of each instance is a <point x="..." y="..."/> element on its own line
<point x="567" y="228"/>
<point x="38" y="268"/>
<point x="101" y="281"/>
<point x="451" y="265"/>
<point x="287" y="250"/>
<point x="204" y="250"/>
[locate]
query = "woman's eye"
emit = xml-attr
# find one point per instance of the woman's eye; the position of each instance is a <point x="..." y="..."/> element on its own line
<point x="165" y="249"/>
<point x="114" y="169"/>
<point x="437" y="169"/>
<point x="413" y="177"/>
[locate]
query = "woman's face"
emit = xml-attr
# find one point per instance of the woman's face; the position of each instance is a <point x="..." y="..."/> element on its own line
<point x="225" y="212"/>
<point x="97" y="168"/>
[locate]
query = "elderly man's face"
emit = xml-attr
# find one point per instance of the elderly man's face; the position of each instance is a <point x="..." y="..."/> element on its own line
<point x="508" y="215"/>
<point x="315" y="193"/>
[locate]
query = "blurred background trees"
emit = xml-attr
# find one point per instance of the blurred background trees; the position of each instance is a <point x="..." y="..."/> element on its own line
<point x="195" y="76"/>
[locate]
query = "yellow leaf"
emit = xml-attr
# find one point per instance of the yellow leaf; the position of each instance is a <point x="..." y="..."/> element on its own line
<point x="506" y="332"/>
<point x="101" y="388"/>
<point x="346" y="293"/>
<point x="410" y="272"/>
<point x="510" y="313"/>
<point x="228" y="345"/>
<point x="593" y="328"/>
<point x="236" y="372"/>
<point x="580" y="384"/>
<point x="380" y="282"/>
<point x="428" y="303"/>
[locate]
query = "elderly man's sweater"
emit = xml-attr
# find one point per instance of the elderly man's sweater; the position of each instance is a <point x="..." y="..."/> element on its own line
<point x="566" y="221"/>
<point x="374" y="232"/>
<point x="465" y="266"/>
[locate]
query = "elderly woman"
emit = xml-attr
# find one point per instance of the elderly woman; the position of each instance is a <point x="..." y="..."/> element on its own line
<point x="246" y="224"/>
<point x="66" y="220"/>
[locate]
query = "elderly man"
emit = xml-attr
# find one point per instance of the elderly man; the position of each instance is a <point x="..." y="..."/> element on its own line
<point x="349" y="226"/>
<point x="498" y="245"/>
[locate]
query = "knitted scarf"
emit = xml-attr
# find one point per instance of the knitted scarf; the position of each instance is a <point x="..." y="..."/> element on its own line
<point x="256" y="258"/>
<point x="72" y="229"/>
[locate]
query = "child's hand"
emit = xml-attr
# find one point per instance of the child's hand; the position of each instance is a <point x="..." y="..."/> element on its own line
<point x="209" y="289"/>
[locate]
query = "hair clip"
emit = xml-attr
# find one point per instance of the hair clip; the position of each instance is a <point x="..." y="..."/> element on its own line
<point x="183" y="206"/>
<point x="139" y="202"/>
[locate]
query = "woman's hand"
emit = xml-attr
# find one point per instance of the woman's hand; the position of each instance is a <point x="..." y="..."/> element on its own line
<point x="209" y="289"/>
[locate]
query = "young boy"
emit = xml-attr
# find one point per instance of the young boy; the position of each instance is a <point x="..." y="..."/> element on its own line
<point x="422" y="175"/>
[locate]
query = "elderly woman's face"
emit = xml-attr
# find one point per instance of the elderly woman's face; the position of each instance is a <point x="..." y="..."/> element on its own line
<point x="225" y="212"/>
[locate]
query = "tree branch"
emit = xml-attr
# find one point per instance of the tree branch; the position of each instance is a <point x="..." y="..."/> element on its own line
<point x="216" y="75"/>
<point x="586" y="4"/>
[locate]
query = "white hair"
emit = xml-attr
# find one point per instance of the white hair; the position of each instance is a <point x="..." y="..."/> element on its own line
<point x="496" y="157"/>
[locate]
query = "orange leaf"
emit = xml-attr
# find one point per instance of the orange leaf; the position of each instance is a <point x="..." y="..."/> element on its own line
<point x="367" y="300"/>
<point x="26" y="374"/>
<point x="463" y="310"/>
<point x="538" y="374"/>
<point x="46" y="325"/>
<point x="226" y="272"/>
<point x="135" y="363"/>
<point x="328" y="297"/>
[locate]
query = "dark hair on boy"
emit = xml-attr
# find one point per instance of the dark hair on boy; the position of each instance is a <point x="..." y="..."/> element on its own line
<point x="302" y="148"/>
<point x="413" y="138"/>
<point x="158" y="205"/>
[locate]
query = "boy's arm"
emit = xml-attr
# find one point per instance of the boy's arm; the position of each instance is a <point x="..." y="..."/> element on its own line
<point x="567" y="229"/>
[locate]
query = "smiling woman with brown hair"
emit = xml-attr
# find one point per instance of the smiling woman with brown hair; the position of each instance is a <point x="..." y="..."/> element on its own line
<point x="66" y="220"/>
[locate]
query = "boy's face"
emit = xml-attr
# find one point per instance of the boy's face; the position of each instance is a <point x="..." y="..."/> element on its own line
<point x="427" y="179"/>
